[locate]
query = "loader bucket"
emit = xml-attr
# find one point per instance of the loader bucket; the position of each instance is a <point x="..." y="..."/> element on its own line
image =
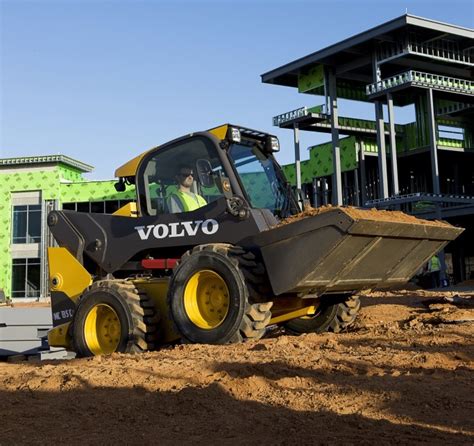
<point x="349" y="249"/>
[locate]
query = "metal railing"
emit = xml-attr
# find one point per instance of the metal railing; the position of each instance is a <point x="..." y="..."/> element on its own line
<point x="422" y="79"/>
<point x="441" y="49"/>
<point x="421" y="196"/>
<point x="289" y="116"/>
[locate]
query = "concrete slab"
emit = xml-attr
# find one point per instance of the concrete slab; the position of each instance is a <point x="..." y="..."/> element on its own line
<point x="24" y="330"/>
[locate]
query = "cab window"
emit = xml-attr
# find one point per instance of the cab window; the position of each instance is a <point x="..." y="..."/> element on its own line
<point x="182" y="178"/>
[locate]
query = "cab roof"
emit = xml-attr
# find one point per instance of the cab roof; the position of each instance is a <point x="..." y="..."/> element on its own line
<point x="129" y="169"/>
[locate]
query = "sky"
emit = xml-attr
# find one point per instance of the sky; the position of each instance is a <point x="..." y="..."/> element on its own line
<point x="104" y="80"/>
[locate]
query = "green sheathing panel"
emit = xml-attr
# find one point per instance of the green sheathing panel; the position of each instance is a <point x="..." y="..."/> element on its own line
<point x="317" y="109"/>
<point x="370" y="146"/>
<point x="70" y="174"/>
<point x="312" y="80"/>
<point x="48" y="182"/>
<point x="320" y="161"/>
<point x="307" y="174"/>
<point x="422" y="124"/>
<point x="412" y="140"/>
<point x="93" y="191"/>
<point x="346" y="90"/>
<point x="289" y="171"/>
<point x="321" y="157"/>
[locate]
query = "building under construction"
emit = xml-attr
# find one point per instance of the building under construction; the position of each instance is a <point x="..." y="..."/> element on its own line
<point x="424" y="167"/>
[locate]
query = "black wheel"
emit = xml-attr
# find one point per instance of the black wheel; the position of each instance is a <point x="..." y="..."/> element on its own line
<point x="335" y="313"/>
<point x="113" y="316"/>
<point x="211" y="300"/>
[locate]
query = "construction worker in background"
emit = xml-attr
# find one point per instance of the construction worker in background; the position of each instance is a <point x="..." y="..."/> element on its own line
<point x="183" y="200"/>
<point x="434" y="270"/>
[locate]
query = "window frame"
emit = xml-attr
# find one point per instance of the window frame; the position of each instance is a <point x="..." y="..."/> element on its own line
<point x="27" y="236"/>
<point x="208" y="139"/>
<point x="27" y="263"/>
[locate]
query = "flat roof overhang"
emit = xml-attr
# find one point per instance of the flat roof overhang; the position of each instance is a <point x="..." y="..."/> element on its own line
<point x="351" y="58"/>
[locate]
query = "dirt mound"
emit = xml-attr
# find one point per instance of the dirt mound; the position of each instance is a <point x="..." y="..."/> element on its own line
<point x="362" y="214"/>
<point x="402" y="375"/>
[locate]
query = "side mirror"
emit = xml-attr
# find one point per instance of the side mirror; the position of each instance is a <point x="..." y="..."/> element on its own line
<point x="120" y="185"/>
<point x="204" y="172"/>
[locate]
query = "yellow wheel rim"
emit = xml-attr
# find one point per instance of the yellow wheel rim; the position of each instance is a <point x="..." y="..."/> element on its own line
<point x="206" y="299"/>
<point x="102" y="330"/>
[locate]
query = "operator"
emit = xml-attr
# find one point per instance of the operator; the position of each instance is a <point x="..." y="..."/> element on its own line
<point x="183" y="200"/>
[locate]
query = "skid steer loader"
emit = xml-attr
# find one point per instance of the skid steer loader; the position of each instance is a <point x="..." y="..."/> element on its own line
<point x="224" y="270"/>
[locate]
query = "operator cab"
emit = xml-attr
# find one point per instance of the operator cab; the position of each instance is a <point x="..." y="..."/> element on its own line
<point x="222" y="162"/>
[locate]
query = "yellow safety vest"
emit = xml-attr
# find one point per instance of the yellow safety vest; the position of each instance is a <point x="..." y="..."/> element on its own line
<point x="435" y="264"/>
<point x="190" y="202"/>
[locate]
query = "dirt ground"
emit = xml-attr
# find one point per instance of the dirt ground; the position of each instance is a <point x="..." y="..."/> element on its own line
<point x="402" y="375"/>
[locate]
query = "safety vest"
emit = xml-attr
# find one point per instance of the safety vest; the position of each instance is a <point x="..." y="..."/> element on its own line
<point x="434" y="264"/>
<point x="190" y="202"/>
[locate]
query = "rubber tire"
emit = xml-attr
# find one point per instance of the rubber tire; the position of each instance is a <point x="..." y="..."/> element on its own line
<point x="334" y="314"/>
<point x="245" y="320"/>
<point x="135" y="310"/>
<point x="253" y="269"/>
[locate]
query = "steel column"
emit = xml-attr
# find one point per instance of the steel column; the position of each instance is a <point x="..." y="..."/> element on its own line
<point x="393" y="145"/>
<point x="356" y="187"/>
<point x="363" y="178"/>
<point x="297" y="156"/>
<point x="315" y="193"/>
<point x="324" y="182"/>
<point x="336" y="151"/>
<point x="435" y="169"/>
<point x="380" y="125"/>
<point x="433" y="142"/>
<point x="382" y="155"/>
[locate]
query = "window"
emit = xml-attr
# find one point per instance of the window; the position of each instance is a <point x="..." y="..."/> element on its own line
<point x="26" y="275"/>
<point x="27" y="223"/>
<point x="189" y="170"/>
<point x="265" y="188"/>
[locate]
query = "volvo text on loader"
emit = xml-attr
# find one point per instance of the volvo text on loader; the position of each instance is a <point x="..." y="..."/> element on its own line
<point x="226" y="270"/>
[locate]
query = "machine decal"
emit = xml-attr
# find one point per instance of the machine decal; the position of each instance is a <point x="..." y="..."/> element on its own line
<point x="63" y="315"/>
<point x="181" y="229"/>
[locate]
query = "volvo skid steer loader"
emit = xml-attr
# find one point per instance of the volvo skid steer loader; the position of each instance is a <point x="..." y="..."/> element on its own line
<point x="203" y="256"/>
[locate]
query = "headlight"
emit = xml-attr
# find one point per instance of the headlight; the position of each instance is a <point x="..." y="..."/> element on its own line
<point x="273" y="145"/>
<point x="234" y="134"/>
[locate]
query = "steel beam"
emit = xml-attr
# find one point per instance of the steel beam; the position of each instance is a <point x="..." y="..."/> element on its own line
<point x="393" y="145"/>
<point x="363" y="177"/>
<point x="433" y="143"/>
<point x="324" y="182"/>
<point x="356" y="187"/>
<point x="380" y="126"/>
<point x="336" y="151"/>
<point x="296" y="135"/>
<point x="382" y="155"/>
<point x="315" y="193"/>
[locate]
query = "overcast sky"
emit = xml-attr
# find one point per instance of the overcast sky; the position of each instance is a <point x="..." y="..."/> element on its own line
<point x="102" y="81"/>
